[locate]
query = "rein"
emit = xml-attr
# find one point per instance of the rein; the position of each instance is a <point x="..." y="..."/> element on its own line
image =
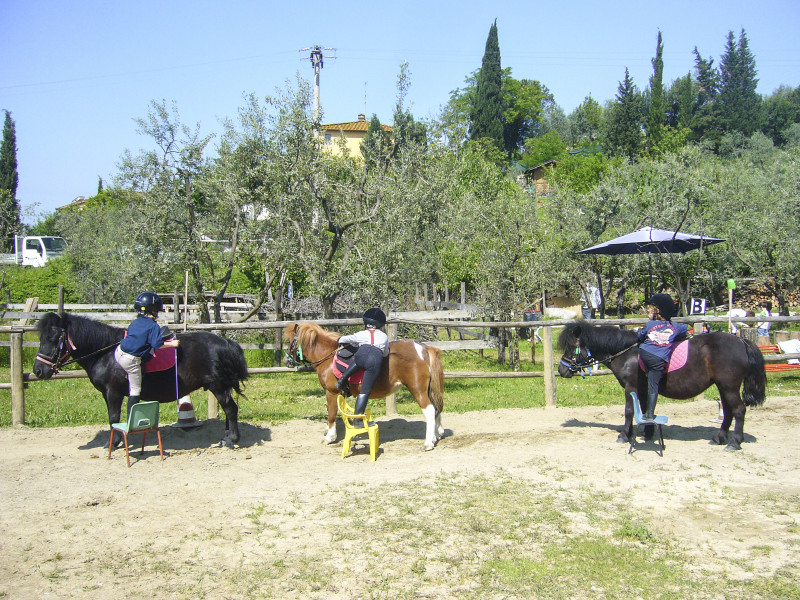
<point x="58" y="360"/>
<point x="579" y="366"/>
<point x="295" y="358"/>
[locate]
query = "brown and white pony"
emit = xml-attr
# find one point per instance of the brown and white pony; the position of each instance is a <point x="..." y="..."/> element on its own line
<point x="414" y="365"/>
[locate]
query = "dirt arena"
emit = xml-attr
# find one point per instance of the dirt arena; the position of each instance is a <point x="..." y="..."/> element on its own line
<point x="75" y="525"/>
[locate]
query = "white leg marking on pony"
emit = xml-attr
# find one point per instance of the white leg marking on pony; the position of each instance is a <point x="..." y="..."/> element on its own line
<point x="420" y="349"/>
<point x="330" y="435"/>
<point x="430" y="427"/>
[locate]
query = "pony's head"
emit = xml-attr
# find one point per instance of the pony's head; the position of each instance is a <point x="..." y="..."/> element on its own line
<point x="574" y="359"/>
<point x="306" y="340"/>
<point x="54" y="345"/>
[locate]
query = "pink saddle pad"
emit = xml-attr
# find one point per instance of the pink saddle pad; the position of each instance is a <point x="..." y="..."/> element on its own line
<point x="164" y="359"/>
<point x="339" y="367"/>
<point x="678" y="358"/>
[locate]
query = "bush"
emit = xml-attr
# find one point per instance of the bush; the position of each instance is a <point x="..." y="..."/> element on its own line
<point x="42" y="282"/>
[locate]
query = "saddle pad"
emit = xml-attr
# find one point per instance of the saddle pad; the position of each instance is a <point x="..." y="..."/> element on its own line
<point x="165" y="358"/>
<point x="339" y="367"/>
<point x="678" y="358"/>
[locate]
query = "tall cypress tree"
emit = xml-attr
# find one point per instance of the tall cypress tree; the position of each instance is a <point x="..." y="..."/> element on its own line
<point x="706" y="120"/>
<point x="656" y="112"/>
<point x="740" y="104"/>
<point x="624" y="126"/>
<point x="9" y="179"/>
<point x="486" y="116"/>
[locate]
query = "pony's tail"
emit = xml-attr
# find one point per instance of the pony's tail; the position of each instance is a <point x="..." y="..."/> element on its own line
<point x="755" y="380"/>
<point x="232" y="365"/>
<point x="436" y="383"/>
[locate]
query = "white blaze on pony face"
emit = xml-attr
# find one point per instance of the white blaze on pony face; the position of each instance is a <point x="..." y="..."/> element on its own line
<point x="420" y="350"/>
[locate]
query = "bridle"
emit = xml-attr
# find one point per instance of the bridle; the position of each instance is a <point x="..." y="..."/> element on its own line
<point x="581" y="362"/>
<point x="584" y="361"/>
<point x="61" y="352"/>
<point x="296" y="360"/>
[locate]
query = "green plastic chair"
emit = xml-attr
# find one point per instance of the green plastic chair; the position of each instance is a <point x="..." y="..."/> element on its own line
<point x="143" y="419"/>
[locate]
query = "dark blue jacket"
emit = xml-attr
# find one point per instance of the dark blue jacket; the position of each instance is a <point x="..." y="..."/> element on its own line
<point x="144" y="335"/>
<point x="658" y="337"/>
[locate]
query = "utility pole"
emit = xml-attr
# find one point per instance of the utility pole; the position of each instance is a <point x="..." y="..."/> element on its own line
<point x="317" y="61"/>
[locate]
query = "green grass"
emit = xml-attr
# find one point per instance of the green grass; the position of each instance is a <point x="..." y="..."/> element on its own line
<point x="275" y="398"/>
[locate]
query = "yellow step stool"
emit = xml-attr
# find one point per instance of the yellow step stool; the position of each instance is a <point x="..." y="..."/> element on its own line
<point x="356" y="425"/>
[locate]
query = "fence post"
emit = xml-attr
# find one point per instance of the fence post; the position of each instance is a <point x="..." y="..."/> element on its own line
<point x="176" y="307"/>
<point x="213" y="406"/>
<point x="391" y="399"/>
<point x="549" y="373"/>
<point x="61" y="300"/>
<point x="17" y="385"/>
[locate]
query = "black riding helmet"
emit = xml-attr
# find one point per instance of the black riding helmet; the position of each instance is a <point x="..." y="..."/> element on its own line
<point x="375" y="317"/>
<point x="148" y="303"/>
<point x="664" y="304"/>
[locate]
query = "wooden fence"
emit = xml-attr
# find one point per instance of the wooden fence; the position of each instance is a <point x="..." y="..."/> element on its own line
<point x="445" y="319"/>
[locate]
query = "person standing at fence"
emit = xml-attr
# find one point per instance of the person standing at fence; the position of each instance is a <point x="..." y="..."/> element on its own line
<point x="656" y="341"/>
<point x="766" y="311"/>
<point x="141" y="342"/>
<point x="373" y="347"/>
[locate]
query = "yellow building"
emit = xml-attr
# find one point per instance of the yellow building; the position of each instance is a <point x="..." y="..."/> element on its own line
<point x="352" y="132"/>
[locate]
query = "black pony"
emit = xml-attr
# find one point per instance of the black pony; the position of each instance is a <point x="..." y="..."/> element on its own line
<point x="714" y="358"/>
<point x="205" y="360"/>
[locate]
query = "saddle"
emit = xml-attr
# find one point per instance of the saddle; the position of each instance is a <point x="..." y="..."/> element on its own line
<point x="678" y="358"/>
<point x="343" y="358"/>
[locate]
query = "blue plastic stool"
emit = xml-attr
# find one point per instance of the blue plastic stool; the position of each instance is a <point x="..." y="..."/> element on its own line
<point x="638" y="418"/>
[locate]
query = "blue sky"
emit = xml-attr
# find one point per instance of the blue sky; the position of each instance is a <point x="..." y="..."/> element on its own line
<point x="75" y="74"/>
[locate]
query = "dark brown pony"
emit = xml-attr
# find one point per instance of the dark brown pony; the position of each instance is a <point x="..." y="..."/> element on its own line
<point x="730" y="362"/>
<point x="414" y="365"/>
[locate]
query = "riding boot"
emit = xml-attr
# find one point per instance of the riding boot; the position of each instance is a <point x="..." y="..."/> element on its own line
<point x="652" y="398"/>
<point x="131" y="401"/>
<point x="342" y="384"/>
<point x="361" y="404"/>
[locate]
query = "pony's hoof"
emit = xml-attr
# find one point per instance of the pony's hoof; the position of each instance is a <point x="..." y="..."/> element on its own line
<point x="622" y="438"/>
<point x="428" y="447"/>
<point x="328" y="441"/>
<point x="227" y="444"/>
<point x="732" y="448"/>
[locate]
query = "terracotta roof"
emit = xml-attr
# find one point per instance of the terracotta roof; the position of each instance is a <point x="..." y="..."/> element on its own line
<point x="360" y="125"/>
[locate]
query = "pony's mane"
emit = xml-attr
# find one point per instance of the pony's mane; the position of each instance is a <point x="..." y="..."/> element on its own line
<point x="600" y="339"/>
<point x="308" y="334"/>
<point x="82" y="331"/>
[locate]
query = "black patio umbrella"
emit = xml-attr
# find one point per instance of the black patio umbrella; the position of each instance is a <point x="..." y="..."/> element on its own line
<point x="649" y="240"/>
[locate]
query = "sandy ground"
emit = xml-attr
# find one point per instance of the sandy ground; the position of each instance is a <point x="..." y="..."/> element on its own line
<point x="68" y="513"/>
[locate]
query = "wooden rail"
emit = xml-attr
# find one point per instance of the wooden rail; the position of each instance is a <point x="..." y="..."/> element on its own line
<point x="19" y="378"/>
